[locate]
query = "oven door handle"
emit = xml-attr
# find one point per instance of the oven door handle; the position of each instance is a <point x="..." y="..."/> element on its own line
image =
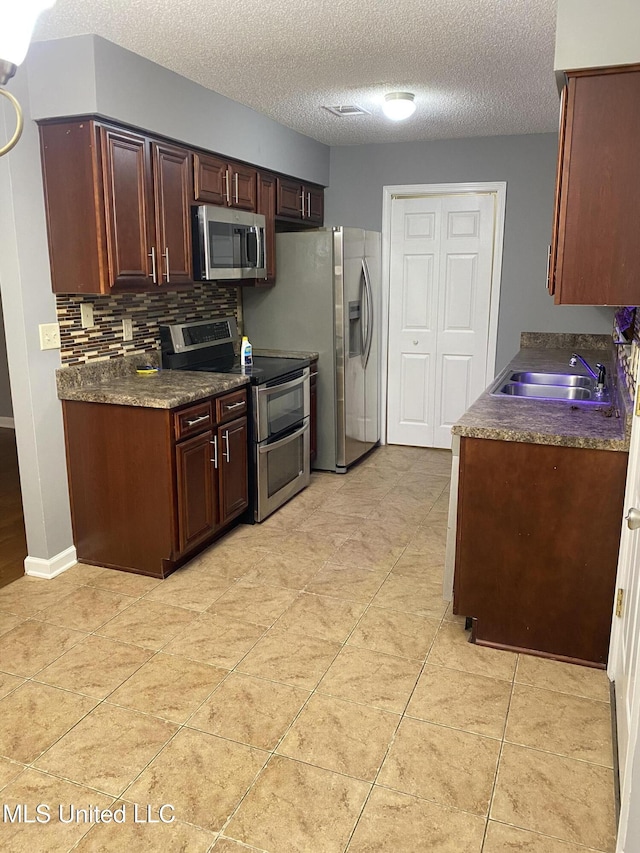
<point x="268" y="447"/>
<point x="285" y="386"/>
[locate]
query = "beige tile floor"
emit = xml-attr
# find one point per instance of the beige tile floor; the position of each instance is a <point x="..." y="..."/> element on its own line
<point x="301" y="686"/>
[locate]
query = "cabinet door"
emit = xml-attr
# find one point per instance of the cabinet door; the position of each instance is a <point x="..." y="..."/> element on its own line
<point x="232" y="462"/>
<point x="266" y="205"/>
<point x="242" y="187"/>
<point x="128" y="201"/>
<point x="314" y="204"/>
<point x="172" y="181"/>
<point x="313" y="417"/>
<point x="553" y="248"/>
<point x="288" y="199"/>
<point x="197" y="492"/>
<point x="211" y="179"/>
<point x="598" y="246"/>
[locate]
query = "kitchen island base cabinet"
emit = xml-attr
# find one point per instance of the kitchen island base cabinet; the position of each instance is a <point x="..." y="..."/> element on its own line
<point x="151" y="487"/>
<point x="538" y="531"/>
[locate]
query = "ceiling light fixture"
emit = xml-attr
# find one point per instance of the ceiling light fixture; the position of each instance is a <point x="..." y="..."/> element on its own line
<point x="18" y="19"/>
<point x="399" y="105"/>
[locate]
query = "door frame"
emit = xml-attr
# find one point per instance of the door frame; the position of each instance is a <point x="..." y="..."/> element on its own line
<point x="417" y="190"/>
<point x="627" y="785"/>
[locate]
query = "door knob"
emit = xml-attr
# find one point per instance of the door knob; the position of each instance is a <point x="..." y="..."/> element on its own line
<point x="633" y="518"/>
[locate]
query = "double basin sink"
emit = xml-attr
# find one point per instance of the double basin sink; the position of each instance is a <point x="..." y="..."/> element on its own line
<point x="570" y="387"/>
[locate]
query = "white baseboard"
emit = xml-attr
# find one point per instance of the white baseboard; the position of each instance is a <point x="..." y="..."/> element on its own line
<point x="39" y="568"/>
<point x="7" y="423"/>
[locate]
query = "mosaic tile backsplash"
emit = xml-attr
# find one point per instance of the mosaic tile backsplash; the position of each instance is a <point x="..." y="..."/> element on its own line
<point x="147" y="311"/>
<point x="627" y="346"/>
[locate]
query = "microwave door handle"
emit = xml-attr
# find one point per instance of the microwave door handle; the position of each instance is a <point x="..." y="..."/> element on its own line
<point x="286" y="440"/>
<point x="252" y="242"/>
<point x="204" y="246"/>
<point x="261" y="262"/>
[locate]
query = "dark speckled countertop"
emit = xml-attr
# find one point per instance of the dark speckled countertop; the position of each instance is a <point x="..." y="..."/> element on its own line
<point x="115" y="381"/>
<point x="550" y="422"/>
<point x="282" y="353"/>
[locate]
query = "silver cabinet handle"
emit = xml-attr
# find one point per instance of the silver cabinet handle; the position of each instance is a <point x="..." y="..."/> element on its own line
<point x="311" y="375"/>
<point x="166" y="263"/>
<point x="235" y="178"/>
<point x="215" y="451"/>
<point x="549" y="267"/>
<point x="227" y="452"/>
<point x="308" y="205"/>
<point x="152" y="255"/>
<point x="230" y="406"/>
<point x="199" y="420"/>
<point x="226" y="182"/>
<point x="302" y="198"/>
<point x="633" y="518"/>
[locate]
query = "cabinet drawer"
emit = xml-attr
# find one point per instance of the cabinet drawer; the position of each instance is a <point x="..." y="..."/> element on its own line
<point x="193" y="420"/>
<point x="231" y="406"/>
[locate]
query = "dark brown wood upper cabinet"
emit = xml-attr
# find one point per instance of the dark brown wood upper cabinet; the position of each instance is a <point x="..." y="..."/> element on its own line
<point x="295" y="200"/>
<point x="218" y="181"/>
<point x="172" y="185"/>
<point x="266" y="205"/>
<point x="117" y="208"/>
<point x="127" y="206"/>
<point x="118" y="204"/>
<point x="595" y="254"/>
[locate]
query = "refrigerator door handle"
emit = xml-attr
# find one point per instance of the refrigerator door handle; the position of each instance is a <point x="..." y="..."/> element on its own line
<point x="362" y="297"/>
<point x="370" y="318"/>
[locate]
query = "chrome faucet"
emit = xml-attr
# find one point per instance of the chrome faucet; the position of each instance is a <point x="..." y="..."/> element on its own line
<point x="600" y="376"/>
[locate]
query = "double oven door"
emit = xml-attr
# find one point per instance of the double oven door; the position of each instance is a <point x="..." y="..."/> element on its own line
<point x="281" y="411"/>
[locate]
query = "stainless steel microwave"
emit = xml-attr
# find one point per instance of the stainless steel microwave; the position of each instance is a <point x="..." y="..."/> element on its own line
<point x="228" y="244"/>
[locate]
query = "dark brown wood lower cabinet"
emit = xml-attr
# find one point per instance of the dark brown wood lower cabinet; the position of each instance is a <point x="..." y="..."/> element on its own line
<point x="197" y="490"/>
<point x="232" y="455"/>
<point x="143" y="498"/>
<point x="537" y="543"/>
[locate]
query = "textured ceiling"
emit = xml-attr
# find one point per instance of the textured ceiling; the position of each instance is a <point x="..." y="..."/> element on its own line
<point x="477" y="67"/>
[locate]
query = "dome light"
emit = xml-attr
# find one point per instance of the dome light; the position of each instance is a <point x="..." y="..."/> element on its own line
<point x="399" y="105"/>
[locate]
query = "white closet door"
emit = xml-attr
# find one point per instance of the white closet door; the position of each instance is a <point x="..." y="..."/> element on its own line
<point x="464" y="299"/>
<point x="441" y="265"/>
<point x="413" y="319"/>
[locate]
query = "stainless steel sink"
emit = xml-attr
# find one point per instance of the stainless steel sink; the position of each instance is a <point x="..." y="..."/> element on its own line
<point x="569" y="380"/>
<point x="536" y="385"/>
<point x="547" y="392"/>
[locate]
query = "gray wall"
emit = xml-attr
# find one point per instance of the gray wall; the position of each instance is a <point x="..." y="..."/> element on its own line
<point x="93" y="75"/>
<point x="6" y="410"/>
<point x="27" y="301"/>
<point x="526" y="163"/>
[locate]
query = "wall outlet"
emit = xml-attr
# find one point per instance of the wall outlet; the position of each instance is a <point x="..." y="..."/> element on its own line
<point x="86" y="315"/>
<point x="127" y="329"/>
<point x="49" y="335"/>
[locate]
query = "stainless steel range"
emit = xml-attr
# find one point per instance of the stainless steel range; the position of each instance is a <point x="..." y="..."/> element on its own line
<point x="280" y="406"/>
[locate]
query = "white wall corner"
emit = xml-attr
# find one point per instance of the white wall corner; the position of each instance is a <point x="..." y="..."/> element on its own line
<point x="39" y="568"/>
<point x="7" y="423"/>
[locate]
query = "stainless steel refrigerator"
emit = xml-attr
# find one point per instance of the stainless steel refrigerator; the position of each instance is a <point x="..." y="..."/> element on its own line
<point x="327" y="299"/>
